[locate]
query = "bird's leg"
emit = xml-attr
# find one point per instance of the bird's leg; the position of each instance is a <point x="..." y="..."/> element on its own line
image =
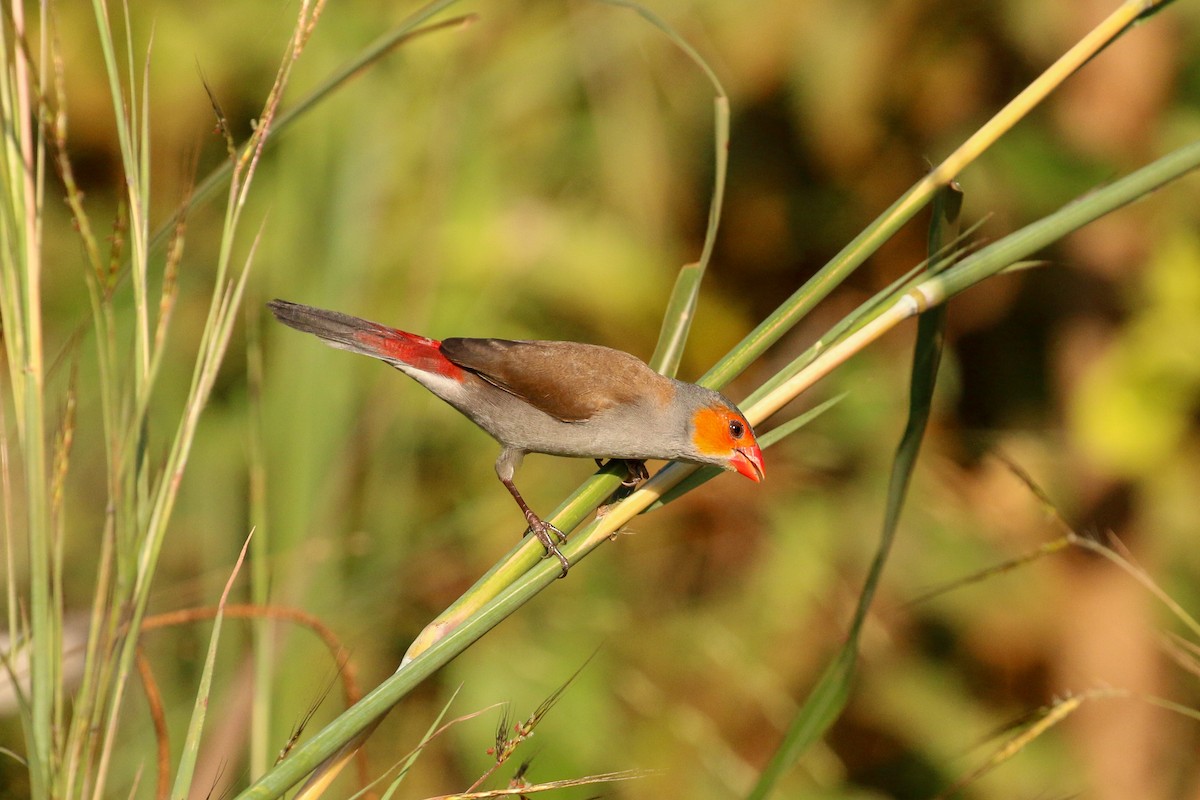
<point x="506" y="465"/>
<point x="540" y="528"/>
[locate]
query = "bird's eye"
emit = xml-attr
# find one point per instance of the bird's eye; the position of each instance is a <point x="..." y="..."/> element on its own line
<point x="736" y="429"/>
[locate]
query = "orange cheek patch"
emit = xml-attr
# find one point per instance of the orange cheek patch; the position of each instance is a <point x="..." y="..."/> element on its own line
<point x="712" y="432"/>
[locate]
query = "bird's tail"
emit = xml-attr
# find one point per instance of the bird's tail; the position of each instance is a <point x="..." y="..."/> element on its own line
<point x="345" y="332"/>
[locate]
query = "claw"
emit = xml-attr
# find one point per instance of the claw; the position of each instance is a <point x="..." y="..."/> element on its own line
<point x="637" y="473"/>
<point x="635" y="469"/>
<point x="542" y="530"/>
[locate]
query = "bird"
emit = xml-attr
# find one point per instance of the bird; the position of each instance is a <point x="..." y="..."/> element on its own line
<point x="553" y="397"/>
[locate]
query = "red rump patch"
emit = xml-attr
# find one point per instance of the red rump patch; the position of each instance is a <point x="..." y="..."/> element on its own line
<point x="418" y="352"/>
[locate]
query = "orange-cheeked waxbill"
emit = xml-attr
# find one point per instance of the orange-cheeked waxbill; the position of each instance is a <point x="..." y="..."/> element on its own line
<point x="560" y="398"/>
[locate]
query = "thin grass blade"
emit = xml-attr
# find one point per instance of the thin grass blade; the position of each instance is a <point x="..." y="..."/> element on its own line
<point x="24" y="149"/>
<point x="412" y="757"/>
<point x="677" y="320"/>
<point x="191" y="745"/>
<point x="825" y="703"/>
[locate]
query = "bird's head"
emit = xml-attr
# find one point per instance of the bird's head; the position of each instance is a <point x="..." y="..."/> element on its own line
<point x="721" y="435"/>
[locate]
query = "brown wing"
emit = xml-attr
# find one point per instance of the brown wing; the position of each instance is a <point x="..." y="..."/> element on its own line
<point x="569" y="381"/>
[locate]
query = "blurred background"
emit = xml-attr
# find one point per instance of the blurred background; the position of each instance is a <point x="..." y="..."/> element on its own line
<point x="543" y="173"/>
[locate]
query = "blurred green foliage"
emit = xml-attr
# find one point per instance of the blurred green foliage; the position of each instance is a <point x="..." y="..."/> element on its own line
<point x="542" y="173"/>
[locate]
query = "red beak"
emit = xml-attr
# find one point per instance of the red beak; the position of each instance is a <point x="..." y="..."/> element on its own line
<point x="748" y="461"/>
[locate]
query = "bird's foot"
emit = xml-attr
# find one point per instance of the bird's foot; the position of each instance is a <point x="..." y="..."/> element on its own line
<point x="636" y="470"/>
<point x="637" y="473"/>
<point x="543" y="530"/>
